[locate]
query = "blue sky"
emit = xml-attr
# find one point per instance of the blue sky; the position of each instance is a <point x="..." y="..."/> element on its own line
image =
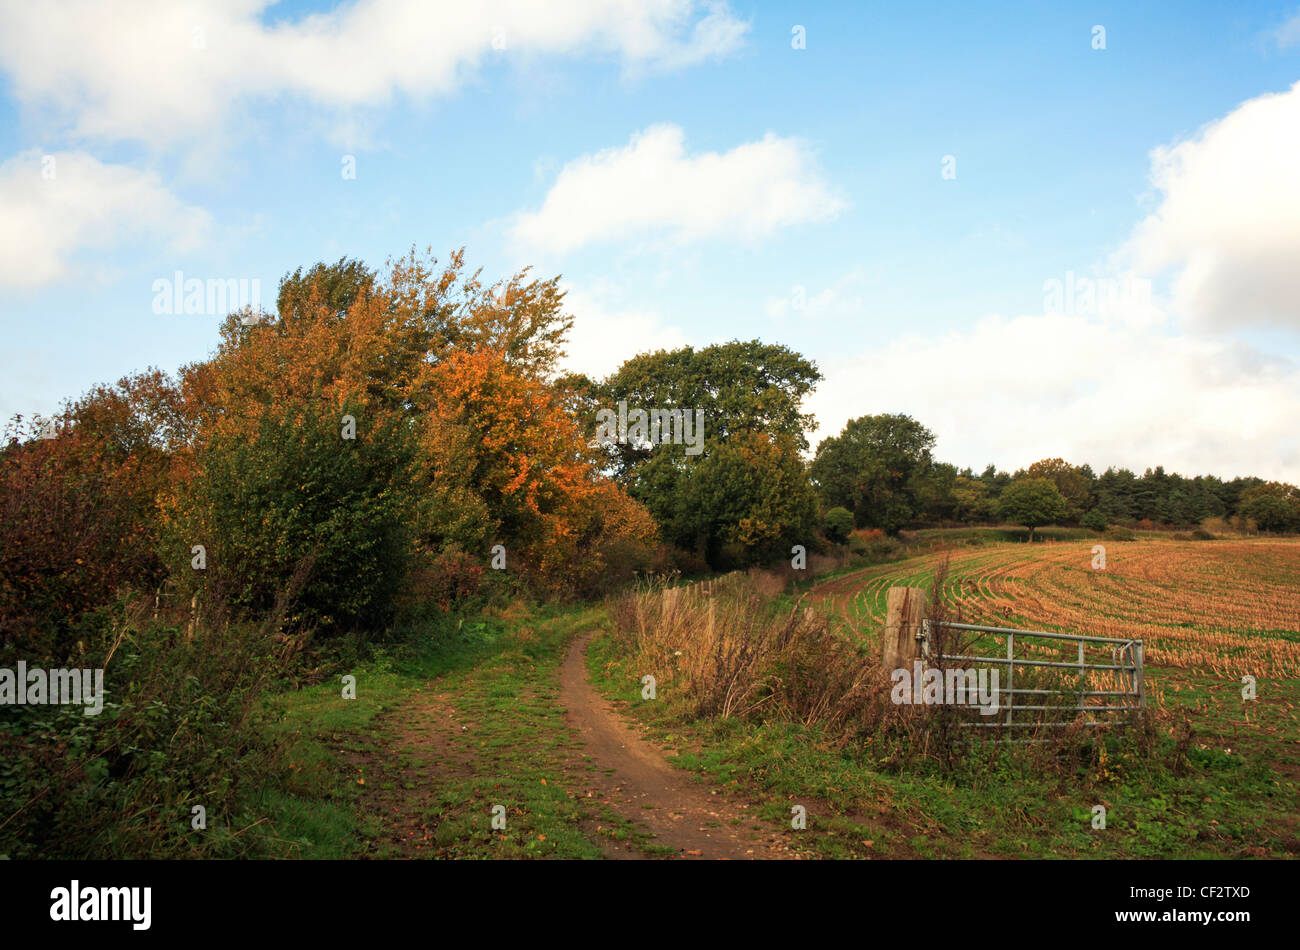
<point x="694" y="178"/>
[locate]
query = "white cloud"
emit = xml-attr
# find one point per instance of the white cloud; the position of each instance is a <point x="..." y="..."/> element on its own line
<point x="604" y="337"/>
<point x="163" y="71"/>
<point x="842" y="299"/>
<point x="1228" y="224"/>
<point x="1288" y="34"/>
<point x="86" y="204"/>
<point x="652" y="187"/>
<point x="1105" y="393"/>
<point x="1119" y="384"/>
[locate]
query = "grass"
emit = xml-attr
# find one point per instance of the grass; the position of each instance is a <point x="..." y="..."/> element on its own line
<point x="361" y="789"/>
<point x="360" y="786"/>
<point x="1226" y="789"/>
<point x="999" y="804"/>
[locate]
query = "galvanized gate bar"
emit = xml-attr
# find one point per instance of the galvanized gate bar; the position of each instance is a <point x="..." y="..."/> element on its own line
<point x="1127" y="674"/>
<point x="1068" y="666"/>
<point x="1032" y="633"/>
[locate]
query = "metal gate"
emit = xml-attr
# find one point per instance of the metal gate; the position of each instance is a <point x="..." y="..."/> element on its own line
<point x="1101" y="691"/>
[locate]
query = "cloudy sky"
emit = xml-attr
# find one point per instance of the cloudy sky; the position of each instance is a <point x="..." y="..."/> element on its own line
<point x="970" y="213"/>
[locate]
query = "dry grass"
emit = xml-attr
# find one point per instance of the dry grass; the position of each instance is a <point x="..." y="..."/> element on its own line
<point x="734" y="655"/>
<point x="726" y="650"/>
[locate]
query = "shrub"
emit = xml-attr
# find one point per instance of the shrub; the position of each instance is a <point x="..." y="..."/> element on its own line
<point x="839" y="523"/>
<point x="298" y="496"/>
<point x="74" y="530"/>
<point x="182" y="725"/>
<point x="1216" y="526"/>
<point x="1093" y="521"/>
<point x="671" y="560"/>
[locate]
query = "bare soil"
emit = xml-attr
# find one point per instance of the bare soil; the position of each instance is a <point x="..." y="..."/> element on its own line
<point x="637" y="780"/>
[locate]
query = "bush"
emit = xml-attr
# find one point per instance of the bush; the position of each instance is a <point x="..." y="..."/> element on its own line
<point x="1216" y="526"/>
<point x="73" y="531"/>
<point x="839" y="523"/>
<point x="181" y="726"/>
<point x="300" y="500"/>
<point x="873" y="544"/>
<point x="1093" y="521"/>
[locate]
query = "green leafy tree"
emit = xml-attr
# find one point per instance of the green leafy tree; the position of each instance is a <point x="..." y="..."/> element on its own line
<point x="743" y="484"/>
<point x="935" y="489"/>
<point x="1273" y="506"/>
<point x="973" y="502"/>
<point x="1093" y="521"/>
<point x="1032" y="502"/>
<point x="874" y="468"/>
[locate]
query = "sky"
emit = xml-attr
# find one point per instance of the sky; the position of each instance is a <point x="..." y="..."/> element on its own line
<point x="1044" y="230"/>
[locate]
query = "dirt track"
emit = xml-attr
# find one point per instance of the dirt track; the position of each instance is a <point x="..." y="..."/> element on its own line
<point x="644" y="787"/>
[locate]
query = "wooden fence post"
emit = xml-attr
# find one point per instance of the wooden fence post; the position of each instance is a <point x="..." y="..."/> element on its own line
<point x="904" y="611"/>
<point x="670" y="602"/>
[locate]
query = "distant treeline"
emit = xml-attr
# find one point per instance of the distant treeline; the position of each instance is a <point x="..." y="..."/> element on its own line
<point x="880" y="470"/>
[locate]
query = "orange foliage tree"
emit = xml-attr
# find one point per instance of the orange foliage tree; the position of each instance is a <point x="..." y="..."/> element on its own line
<point x="499" y="461"/>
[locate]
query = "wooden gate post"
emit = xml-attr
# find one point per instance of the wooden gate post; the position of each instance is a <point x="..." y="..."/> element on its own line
<point x="904" y="611"/>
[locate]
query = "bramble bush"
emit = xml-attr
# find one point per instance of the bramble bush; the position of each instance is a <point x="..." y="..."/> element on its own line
<point x="182" y="725"/>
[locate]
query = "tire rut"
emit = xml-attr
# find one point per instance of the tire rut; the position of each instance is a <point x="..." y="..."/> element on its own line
<point x="639" y="782"/>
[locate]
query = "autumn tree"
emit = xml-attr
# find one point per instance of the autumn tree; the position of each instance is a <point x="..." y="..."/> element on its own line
<point x="504" y="462"/>
<point x="466" y="365"/>
<point x="79" y="507"/>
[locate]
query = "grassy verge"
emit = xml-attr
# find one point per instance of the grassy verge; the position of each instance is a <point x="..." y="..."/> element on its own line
<point x="1197" y="796"/>
<point x="365" y="785"/>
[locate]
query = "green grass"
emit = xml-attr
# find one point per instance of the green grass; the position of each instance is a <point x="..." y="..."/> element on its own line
<point x="999" y="803"/>
<point x="1234" y="794"/>
<point x="314" y="808"/>
<point x="501" y="677"/>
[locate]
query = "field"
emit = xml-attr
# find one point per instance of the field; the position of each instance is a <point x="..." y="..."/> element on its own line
<point x="1221" y="607"/>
